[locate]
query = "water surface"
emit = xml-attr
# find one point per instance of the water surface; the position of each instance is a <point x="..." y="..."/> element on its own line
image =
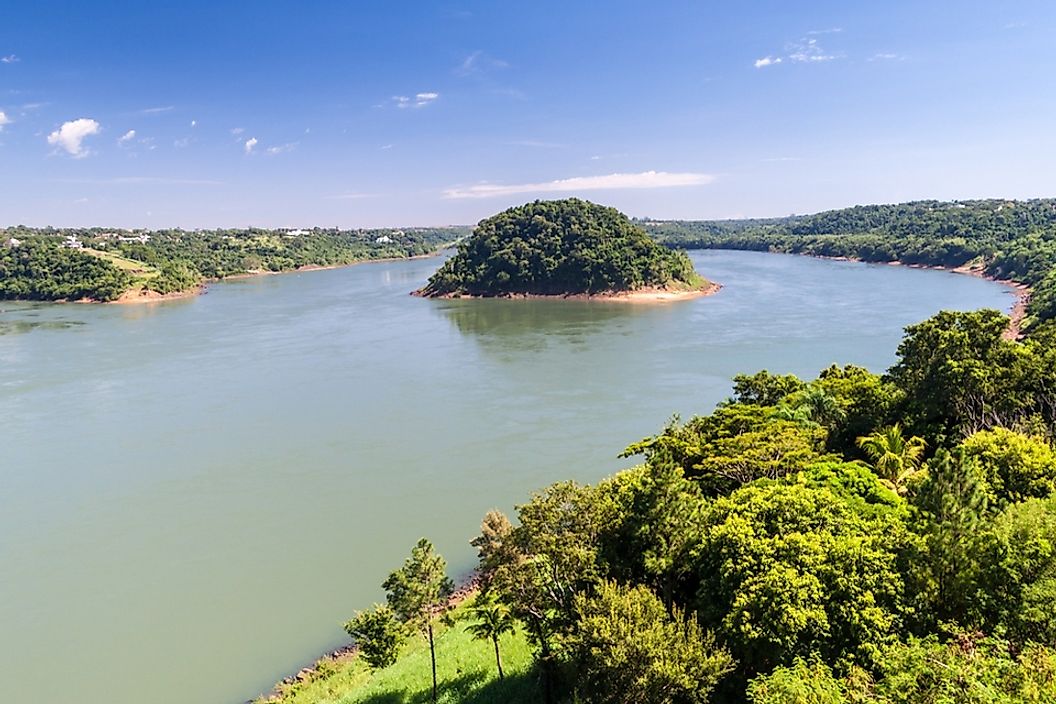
<point x="195" y="494"/>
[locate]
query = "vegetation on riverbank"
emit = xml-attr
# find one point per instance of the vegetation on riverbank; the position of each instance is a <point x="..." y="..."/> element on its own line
<point x="1005" y="239"/>
<point x="560" y="248"/>
<point x="101" y="265"/>
<point x="854" y="539"/>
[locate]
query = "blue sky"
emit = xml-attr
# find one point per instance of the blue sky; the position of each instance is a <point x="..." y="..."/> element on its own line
<point x="203" y="114"/>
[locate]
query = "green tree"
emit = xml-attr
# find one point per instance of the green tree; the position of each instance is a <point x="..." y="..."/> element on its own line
<point x="631" y="651"/>
<point x="896" y="459"/>
<point x="378" y="634"/>
<point x="418" y="593"/>
<point x="802" y="682"/>
<point x="791" y="569"/>
<point x="1015" y="466"/>
<point x="492" y="621"/>
<point x="952" y="509"/>
<point x="1016" y="586"/>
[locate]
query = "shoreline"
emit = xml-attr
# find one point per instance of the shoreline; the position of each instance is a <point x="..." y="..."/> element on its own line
<point x="465" y="589"/>
<point x="131" y="297"/>
<point x="1017" y="312"/>
<point x="648" y="296"/>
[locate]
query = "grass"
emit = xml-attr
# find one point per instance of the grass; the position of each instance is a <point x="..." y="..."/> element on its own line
<point x="465" y="671"/>
<point x="138" y="269"/>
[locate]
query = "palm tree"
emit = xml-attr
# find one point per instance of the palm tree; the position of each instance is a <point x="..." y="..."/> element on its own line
<point x="493" y="620"/>
<point x="894" y="458"/>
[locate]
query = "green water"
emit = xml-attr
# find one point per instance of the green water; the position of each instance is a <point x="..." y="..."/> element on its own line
<point x="194" y="495"/>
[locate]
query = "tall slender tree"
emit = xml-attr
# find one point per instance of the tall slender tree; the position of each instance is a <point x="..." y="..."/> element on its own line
<point x="418" y="593"/>
<point x="493" y="620"/>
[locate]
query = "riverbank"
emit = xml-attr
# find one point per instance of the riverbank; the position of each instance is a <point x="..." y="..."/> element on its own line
<point x="649" y="295"/>
<point x="145" y="296"/>
<point x="345" y="658"/>
<point x="1017" y="313"/>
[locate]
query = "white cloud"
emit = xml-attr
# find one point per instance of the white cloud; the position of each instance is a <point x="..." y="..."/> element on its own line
<point x="478" y="62"/>
<point x="4" y="120"/>
<point x="250" y="143"/>
<point x="182" y="143"/>
<point x="282" y="148"/>
<point x="767" y="61"/>
<point x="155" y="111"/>
<point x="883" y="56"/>
<point x="237" y="130"/>
<point x="420" y="100"/>
<point x="9" y="59"/>
<point x="72" y="133"/>
<point x="127" y="137"/>
<point x="645" y="179"/>
<point x="808" y="51"/>
<point x="833" y="30"/>
<point x="194" y="123"/>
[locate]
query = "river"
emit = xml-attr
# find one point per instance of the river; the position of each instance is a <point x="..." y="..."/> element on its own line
<point x="195" y="494"/>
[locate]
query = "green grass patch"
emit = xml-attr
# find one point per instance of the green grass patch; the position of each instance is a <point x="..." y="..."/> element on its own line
<point x="465" y="668"/>
<point x="140" y="270"/>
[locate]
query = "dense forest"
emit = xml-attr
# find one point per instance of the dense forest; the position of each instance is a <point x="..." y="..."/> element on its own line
<point x="559" y="248"/>
<point x="1006" y="239"/>
<point x="858" y="538"/>
<point x="101" y="264"/>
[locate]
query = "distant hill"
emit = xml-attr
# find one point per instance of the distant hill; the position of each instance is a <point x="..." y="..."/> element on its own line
<point x="560" y="248"/>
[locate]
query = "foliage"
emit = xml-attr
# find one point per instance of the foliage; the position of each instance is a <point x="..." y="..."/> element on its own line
<point x="378" y="634"/>
<point x="418" y="593"/>
<point x="465" y="668"/>
<point x="42" y="271"/>
<point x="735" y="445"/>
<point x="895" y="458"/>
<point x="492" y="621"/>
<point x="787" y="569"/>
<point x="1016" y="588"/>
<point x="559" y="247"/>
<point x="1015" y="466"/>
<point x="42" y="267"/>
<point x="633" y="652"/>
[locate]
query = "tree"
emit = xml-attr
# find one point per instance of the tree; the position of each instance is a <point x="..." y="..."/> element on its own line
<point x="418" y="593"/>
<point x="895" y="458"/>
<point x="493" y="620"/>
<point x="631" y="651"/>
<point x="802" y="682"/>
<point x="952" y="508"/>
<point x="1015" y="466"/>
<point x="1016" y="587"/>
<point x="790" y="569"/>
<point x="493" y="545"/>
<point x="378" y="634"/>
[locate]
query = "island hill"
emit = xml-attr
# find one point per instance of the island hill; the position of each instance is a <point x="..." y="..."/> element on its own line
<point x="565" y="248"/>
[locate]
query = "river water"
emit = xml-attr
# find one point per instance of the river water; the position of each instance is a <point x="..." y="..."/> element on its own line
<point x="194" y="495"/>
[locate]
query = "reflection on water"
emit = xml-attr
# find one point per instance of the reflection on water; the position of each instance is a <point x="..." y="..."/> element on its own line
<point x="533" y="324"/>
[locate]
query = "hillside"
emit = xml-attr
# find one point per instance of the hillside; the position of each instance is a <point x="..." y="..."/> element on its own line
<point x="560" y="248"/>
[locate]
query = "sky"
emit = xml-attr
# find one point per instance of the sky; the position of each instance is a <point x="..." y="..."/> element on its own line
<point x="383" y="113"/>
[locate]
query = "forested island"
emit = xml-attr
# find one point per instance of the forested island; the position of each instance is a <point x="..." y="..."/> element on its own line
<point x="859" y="538"/>
<point x="564" y="248"/>
<point x="99" y="264"/>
